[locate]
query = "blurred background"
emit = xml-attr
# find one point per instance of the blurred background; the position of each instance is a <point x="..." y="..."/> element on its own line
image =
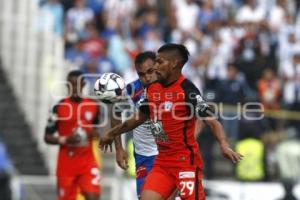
<point x="244" y="54"/>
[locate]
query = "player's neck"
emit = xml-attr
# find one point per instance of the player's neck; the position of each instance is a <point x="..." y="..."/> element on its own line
<point x="172" y="79"/>
<point x="76" y="99"/>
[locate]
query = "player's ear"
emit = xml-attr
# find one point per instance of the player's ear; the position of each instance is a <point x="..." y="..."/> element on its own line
<point x="176" y="63"/>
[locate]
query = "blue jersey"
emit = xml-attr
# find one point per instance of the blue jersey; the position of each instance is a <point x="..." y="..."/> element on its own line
<point x="136" y="91"/>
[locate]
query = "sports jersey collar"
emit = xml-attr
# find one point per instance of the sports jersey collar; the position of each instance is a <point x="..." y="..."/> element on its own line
<point x="77" y="100"/>
<point x="180" y="79"/>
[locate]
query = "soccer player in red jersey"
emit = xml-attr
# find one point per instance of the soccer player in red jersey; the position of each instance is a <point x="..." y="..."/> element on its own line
<point x="74" y="120"/>
<point x="173" y="105"/>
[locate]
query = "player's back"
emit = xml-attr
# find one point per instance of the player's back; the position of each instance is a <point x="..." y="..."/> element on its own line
<point x="143" y="140"/>
<point x="173" y="123"/>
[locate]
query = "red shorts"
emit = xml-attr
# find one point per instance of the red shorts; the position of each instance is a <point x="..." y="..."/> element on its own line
<point x="165" y="180"/>
<point x="70" y="186"/>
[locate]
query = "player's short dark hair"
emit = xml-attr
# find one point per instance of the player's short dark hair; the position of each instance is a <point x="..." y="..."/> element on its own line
<point x="74" y="73"/>
<point x="178" y="49"/>
<point x="142" y="57"/>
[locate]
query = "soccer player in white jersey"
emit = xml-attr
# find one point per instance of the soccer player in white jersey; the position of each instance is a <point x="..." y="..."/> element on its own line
<point x="145" y="148"/>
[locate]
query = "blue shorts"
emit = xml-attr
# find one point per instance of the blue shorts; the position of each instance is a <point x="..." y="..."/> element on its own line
<point x="143" y="165"/>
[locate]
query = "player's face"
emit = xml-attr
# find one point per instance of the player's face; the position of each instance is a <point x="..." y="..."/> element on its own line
<point x="75" y="89"/>
<point x="163" y="67"/>
<point x="146" y="72"/>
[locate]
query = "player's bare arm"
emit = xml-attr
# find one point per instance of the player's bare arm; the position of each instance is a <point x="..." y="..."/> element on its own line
<point x="199" y="127"/>
<point x="121" y="154"/>
<point x="205" y="112"/>
<point x="51" y="136"/>
<point x="61" y="140"/>
<point x="134" y="121"/>
<point x="95" y="133"/>
<point x="219" y="134"/>
<point x="73" y="139"/>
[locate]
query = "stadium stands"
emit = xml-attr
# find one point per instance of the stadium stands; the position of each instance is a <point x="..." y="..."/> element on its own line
<point x="16" y="133"/>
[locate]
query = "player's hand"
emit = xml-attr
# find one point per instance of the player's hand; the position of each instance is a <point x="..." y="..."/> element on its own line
<point x="230" y="154"/>
<point x="106" y="142"/>
<point x="122" y="158"/>
<point x="73" y="140"/>
<point x="95" y="134"/>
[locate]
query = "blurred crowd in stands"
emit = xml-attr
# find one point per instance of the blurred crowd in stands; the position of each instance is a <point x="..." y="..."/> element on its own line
<point x="241" y="51"/>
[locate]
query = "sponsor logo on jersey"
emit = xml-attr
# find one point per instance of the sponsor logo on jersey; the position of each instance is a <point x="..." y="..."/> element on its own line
<point x="88" y="115"/>
<point x="199" y="99"/>
<point x="158" y="132"/>
<point x="168" y="105"/>
<point x="186" y="175"/>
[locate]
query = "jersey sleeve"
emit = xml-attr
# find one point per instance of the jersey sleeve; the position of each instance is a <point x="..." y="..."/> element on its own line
<point x="129" y="89"/>
<point x="52" y="122"/>
<point x="97" y="117"/>
<point x="143" y="106"/>
<point x="138" y="96"/>
<point x="143" y="103"/>
<point x="195" y="100"/>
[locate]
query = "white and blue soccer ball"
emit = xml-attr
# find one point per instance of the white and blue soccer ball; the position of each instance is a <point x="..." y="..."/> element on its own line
<point x="110" y="88"/>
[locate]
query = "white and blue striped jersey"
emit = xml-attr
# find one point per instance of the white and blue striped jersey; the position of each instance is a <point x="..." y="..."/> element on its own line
<point x="144" y="143"/>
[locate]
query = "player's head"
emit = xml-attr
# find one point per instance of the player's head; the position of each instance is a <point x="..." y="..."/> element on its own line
<point x="170" y="60"/>
<point x="76" y="83"/>
<point x="144" y="65"/>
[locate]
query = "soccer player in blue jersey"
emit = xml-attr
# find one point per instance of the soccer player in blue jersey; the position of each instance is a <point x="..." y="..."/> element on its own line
<point x="145" y="148"/>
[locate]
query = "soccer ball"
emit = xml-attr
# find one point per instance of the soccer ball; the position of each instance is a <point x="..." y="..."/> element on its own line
<point x="110" y="87"/>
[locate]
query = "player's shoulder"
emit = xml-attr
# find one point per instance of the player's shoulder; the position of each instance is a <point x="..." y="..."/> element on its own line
<point x="188" y="85"/>
<point x="133" y="86"/>
<point x="58" y="104"/>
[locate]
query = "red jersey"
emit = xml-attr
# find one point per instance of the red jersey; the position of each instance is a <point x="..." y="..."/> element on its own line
<point x="173" y="110"/>
<point x="68" y="115"/>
